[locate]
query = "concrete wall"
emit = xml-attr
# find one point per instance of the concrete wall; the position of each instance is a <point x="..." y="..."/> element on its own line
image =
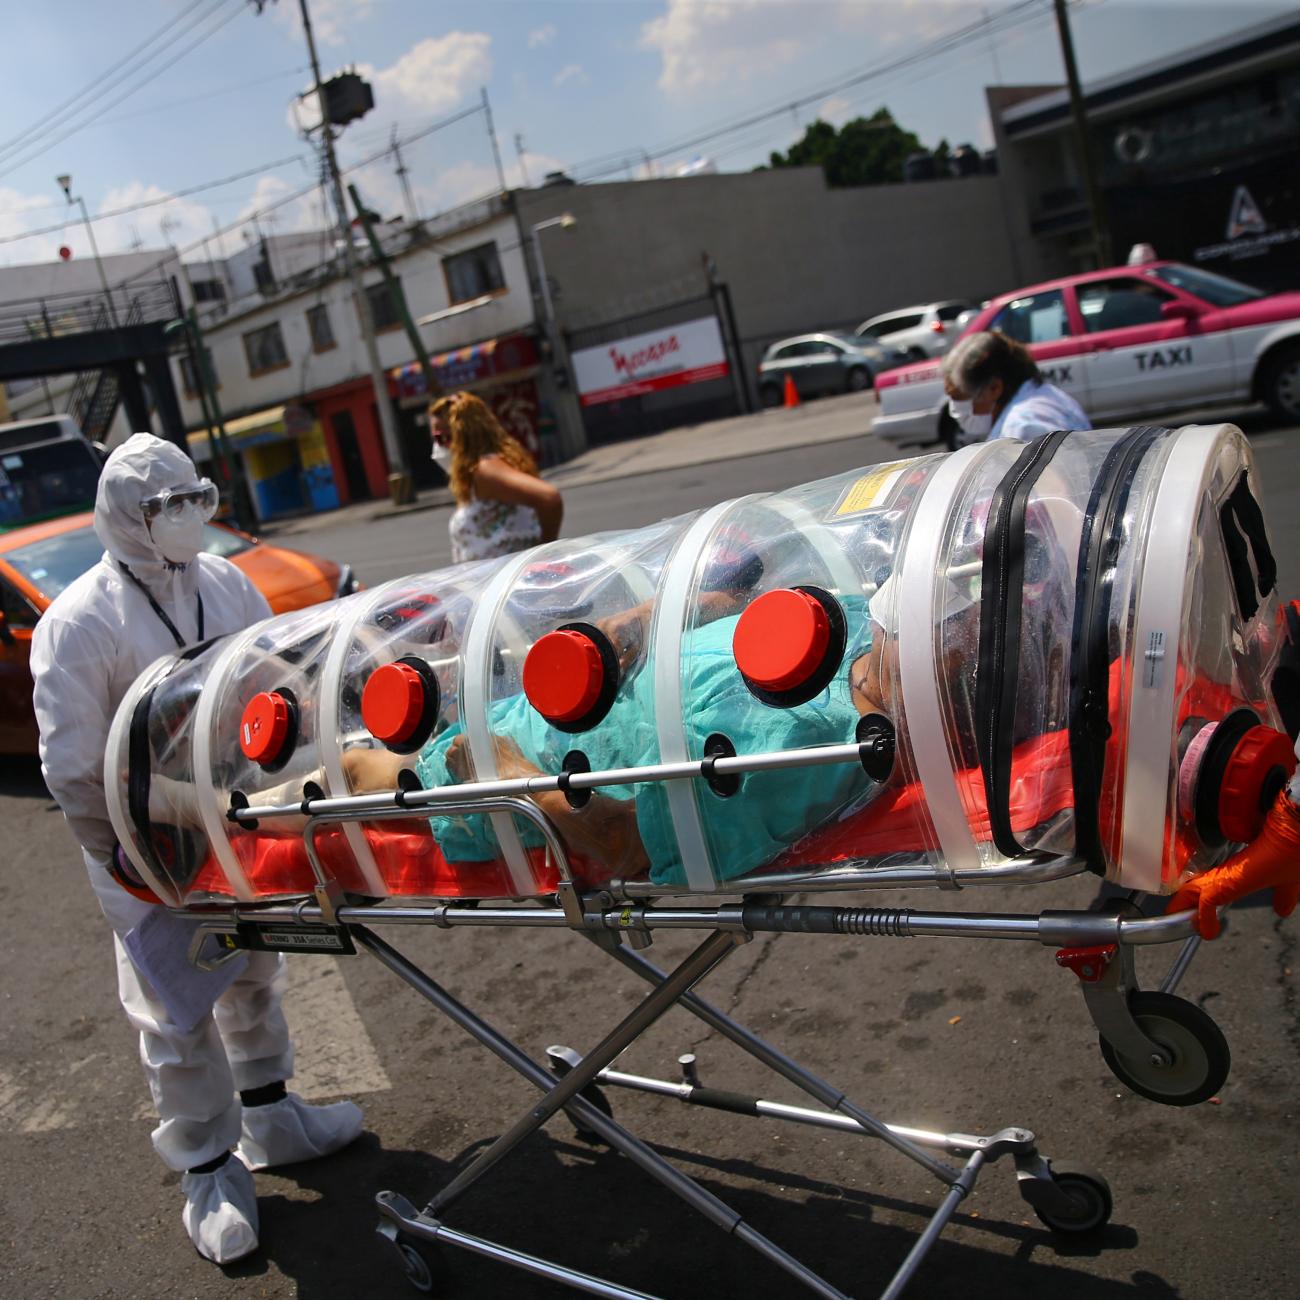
<point x="796" y="254"/>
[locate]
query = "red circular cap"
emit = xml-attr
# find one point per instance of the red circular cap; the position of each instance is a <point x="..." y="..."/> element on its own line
<point x="393" y="702"/>
<point x="264" y="727"/>
<point x="564" y="676"/>
<point x="781" y="639"/>
<point x="1260" y="752"/>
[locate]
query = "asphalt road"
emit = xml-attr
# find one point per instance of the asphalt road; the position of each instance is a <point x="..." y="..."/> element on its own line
<point x="950" y="1034"/>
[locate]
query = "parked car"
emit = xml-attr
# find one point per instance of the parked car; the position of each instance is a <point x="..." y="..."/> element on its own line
<point x="48" y="467"/>
<point x="38" y="562"/>
<point x="1160" y="336"/>
<point x="822" y="363"/>
<point x="918" y="332"/>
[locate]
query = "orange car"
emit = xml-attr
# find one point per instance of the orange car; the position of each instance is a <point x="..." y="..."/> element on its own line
<point x="37" y="562"/>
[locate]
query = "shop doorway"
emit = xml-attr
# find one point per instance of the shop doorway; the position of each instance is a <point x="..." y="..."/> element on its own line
<point x="354" y="469"/>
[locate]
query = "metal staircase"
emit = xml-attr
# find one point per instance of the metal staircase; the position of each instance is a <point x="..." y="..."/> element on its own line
<point x="95" y="395"/>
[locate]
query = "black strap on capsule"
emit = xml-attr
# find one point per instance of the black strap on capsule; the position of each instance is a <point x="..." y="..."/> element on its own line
<point x="1090" y="656"/>
<point x="997" y="678"/>
<point x="139" y="777"/>
<point x="162" y="613"/>
<point x="1239" y="514"/>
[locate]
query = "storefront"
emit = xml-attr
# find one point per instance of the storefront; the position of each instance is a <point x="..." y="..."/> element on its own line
<point x="350" y="420"/>
<point x="502" y="371"/>
<point x="284" y="458"/>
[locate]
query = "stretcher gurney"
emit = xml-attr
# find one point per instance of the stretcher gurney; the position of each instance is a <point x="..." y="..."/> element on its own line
<point x="1009" y="665"/>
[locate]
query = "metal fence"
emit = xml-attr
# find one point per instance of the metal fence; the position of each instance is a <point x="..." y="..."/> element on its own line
<point x="27" y="319"/>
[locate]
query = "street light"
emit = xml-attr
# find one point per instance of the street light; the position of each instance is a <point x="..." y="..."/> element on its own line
<point x="566" y="222"/>
<point x="65" y="184"/>
<point x="569" y="419"/>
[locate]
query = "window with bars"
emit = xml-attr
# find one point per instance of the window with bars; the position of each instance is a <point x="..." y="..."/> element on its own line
<point x="320" y="329"/>
<point x="473" y="273"/>
<point x="265" y="350"/>
<point x="384" y="309"/>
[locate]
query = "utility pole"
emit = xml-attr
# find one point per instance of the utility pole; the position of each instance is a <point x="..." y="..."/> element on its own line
<point x="431" y="385"/>
<point x="1083" y="141"/>
<point x="492" y="136"/>
<point x="412" y="212"/>
<point x="399" y="479"/>
<point x="519" y="151"/>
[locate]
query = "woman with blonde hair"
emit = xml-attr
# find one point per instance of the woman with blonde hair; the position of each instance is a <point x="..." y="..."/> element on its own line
<point x="502" y="504"/>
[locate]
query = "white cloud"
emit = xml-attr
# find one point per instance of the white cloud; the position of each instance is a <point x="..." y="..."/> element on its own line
<point x="435" y="74"/>
<point x="472" y="180"/>
<point x="837" y="110"/>
<point x="541" y="36"/>
<point x="703" y="43"/>
<point x="185" y="220"/>
<point x="172" y="221"/>
<point x="261" y="210"/>
<point x="329" y="18"/>
<point x="13" y="206"/>
<point x="708" y="44"/>
<point x="571" y="72"/>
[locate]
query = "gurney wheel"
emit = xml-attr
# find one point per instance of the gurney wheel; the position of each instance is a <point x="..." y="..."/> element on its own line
<point x="598" y="1099"/>
<point x="1201" y="1058"/>
<point x="418" y="1272"/>
<point x="1089" y="1193"/>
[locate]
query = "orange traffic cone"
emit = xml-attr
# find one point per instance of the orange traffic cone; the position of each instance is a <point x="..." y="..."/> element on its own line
<point x="791" y="392"/>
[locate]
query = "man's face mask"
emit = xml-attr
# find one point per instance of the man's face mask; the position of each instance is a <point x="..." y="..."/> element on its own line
<point x="175" y="519"/>
<point x="178" y="534"/>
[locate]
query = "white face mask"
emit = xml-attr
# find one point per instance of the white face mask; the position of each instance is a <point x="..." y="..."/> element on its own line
<point x="441" y="455"/>
<point x="972" y="425"/>
<point x="179" y="540"/>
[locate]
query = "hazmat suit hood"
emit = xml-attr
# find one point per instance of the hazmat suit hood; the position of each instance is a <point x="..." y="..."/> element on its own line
<point x="140" y="468"/>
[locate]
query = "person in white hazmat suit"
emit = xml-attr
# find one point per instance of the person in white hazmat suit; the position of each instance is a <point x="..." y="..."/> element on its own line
<point x="218" y="1083"/>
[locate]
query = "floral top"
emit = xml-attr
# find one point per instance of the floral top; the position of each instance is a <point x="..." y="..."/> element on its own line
<point x="483" y="529"/>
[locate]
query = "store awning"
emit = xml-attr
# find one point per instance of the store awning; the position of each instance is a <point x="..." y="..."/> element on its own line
<point x="489" y="362"/>
<point x="275" y="424"/>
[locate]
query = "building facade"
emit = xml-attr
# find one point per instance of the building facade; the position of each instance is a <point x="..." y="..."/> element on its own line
<point x="292" y="372"/>
<point x="1197" y="155"/>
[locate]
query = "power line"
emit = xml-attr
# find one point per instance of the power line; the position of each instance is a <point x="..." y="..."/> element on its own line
<point x="26" y="134"/>
<point x="756" y="139"/>
<point x="154" y="203"/>
<point x="131" y="90"/>
<point x="293" y="197"/>
<point x="603" y="165"/>
<point x="194" y="99"/>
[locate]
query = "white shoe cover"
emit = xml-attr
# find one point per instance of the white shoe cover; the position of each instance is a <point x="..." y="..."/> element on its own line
<point x="221" y="1212"/>
<point x="289" y="1131"/>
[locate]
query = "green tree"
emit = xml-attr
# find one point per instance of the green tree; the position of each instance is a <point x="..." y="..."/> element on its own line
<point x="866" y="151"/>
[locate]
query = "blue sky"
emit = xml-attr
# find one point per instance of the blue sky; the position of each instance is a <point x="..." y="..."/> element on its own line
<point x="589" y="85"/>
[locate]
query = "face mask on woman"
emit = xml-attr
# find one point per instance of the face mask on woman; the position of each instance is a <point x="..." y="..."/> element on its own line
<point x="441" y="455"/>
<point x="973" y="425"/>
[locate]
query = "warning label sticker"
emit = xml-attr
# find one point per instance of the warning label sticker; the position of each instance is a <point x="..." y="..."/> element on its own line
<point x="871" y="491"/>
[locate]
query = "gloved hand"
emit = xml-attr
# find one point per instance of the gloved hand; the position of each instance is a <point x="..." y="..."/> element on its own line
<point x="1271" y="859"/>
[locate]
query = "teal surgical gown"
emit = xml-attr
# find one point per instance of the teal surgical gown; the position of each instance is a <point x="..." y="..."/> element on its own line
<point x="743" y="831"/>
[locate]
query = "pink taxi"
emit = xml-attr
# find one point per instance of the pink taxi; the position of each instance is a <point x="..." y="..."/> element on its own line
<point x="1156" y="337"/>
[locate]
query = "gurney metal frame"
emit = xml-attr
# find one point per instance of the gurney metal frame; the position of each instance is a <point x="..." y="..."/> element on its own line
<point x="621" y="918"/>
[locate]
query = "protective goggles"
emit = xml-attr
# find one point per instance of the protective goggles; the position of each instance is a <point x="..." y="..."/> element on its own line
<point x="172" y="504"/>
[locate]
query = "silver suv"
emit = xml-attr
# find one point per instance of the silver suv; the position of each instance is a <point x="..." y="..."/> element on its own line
<point x="919" y="332"/>
<point x="823" y="363"/>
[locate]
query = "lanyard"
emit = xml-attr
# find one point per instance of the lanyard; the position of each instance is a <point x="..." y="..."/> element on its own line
<point x="162" y="613"/>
